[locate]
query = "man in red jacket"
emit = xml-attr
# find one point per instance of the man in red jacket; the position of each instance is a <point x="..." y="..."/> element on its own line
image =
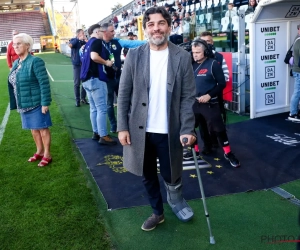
<point x="11" y="55"/>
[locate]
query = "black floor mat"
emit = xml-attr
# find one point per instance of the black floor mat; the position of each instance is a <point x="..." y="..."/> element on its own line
<point x="268" y="149"/>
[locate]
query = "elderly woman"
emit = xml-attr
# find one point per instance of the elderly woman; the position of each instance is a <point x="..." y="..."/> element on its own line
<point x="29" y="92"/>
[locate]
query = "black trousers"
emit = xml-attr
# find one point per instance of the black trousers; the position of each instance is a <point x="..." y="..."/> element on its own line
<point x="157" y="146"/>
<point x="77" y="81"/>
<point x="112" y="89"/>
<point x="209" y="118"/>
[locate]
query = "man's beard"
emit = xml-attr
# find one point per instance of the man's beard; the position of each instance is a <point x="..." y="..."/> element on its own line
<point x="158" y="41"/>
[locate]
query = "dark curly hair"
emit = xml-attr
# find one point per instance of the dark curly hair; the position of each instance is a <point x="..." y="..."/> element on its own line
<point x="156" y="10"/>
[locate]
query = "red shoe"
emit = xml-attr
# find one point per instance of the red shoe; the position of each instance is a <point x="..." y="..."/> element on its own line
<point x="44" y="162"/>
<point x="35" y="157"/>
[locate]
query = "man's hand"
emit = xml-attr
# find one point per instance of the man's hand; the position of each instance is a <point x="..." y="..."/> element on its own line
<point x="204" y="98"/>
<point x="124" y="138"/>
<point x="45" y="109"/>
<point x="191" y="140"/>
<point x="108" y="63"/>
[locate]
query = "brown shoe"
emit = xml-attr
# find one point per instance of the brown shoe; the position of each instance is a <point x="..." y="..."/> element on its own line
<point x="152" y="222"/>
<point x="107" y="140"/>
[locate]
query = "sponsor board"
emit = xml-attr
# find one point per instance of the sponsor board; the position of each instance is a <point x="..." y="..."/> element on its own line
<point x="293" y="12"/>
<point x="269" y="65"/>
<point x="3" y="46"/>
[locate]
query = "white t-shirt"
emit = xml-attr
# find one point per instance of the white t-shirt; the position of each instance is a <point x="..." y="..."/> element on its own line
<point x="157" y="121"/>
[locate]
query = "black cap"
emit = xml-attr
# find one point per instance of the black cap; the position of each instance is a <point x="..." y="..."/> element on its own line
<point x="166" y="5"/>
<point x="130" y="33"/>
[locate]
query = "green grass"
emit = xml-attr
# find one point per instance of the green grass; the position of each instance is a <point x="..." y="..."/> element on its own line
<point x="4" y="70"/>
<point x="45" y="208"/>
<point x="60" y="207"/>
<point x="238" y="222"/>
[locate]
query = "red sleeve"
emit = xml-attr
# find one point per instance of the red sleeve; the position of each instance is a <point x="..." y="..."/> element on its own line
<point x="8" y="55"/>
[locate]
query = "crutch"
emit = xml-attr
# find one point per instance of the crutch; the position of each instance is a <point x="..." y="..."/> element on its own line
<point x="211" y="237"/>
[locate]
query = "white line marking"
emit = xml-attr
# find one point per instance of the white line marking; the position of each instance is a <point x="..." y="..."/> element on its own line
<point x="4" y="122"/>
<point x="50" y="76"/>
<point x="64" y="80"/>
<point x="69" y="65"/>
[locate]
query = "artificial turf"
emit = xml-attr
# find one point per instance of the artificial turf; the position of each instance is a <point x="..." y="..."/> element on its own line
<point x="45" y="208"/>
<point x="53" y="208"/>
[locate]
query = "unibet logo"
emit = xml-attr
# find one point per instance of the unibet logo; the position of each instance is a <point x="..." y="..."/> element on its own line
<point x="269" y="58"/>
<point x="270" y="34"/>
<point x="270" y="31"/>
<point x="269" y="84"/>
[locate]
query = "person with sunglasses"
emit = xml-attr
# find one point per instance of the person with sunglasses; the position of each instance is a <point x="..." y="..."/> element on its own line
<point x="11" y="55"/>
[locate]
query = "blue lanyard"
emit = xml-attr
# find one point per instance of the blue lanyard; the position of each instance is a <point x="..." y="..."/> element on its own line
<point x="108" y="48"/>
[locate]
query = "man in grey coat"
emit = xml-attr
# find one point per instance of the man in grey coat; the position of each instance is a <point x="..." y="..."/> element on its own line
<point x="156" y="93"/>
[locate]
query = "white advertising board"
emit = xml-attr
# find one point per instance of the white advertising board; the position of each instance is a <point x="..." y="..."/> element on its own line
<point x="3" y="46"/>
<point x="270" y="81"/>
<point x="272" y="31"/>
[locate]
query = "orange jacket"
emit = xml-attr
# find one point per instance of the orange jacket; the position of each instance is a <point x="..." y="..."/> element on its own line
<point x="11" y="55"/>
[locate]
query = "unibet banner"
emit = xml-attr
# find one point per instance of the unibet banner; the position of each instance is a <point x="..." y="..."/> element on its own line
<point x="270" y="77"/>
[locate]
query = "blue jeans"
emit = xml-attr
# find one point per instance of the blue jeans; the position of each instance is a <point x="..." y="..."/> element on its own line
<point x="112" y="88"/>
<point x="296" y="95"/>
<point x="97" y="93"/>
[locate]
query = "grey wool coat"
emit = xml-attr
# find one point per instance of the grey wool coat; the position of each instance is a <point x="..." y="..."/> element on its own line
<point x="133" y="100"/>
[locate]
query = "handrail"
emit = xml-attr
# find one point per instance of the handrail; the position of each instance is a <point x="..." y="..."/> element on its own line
<point x="117" y="12"/>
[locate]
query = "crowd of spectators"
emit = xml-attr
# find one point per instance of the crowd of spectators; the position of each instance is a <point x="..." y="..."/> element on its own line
<point x="183" y="17"/>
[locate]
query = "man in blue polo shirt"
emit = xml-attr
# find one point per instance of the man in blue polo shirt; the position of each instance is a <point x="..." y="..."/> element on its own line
<point x="93" y="75"/>
<point x="75" y="44"/>
<point x="114" y="49"/>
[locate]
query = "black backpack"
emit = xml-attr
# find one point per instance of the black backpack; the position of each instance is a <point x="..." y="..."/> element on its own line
<point x="289" y="54"/>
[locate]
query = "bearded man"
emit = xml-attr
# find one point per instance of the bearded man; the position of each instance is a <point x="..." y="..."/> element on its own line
<point x="155" y="114"/>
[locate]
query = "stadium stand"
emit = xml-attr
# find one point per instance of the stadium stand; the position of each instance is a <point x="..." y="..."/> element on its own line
<point x="30" y="22"/>
<point x="224" y="24"/>
<point x="235" y="23"/>
<point x="244" y="7"/>
<point x="248" y="19"/>
<point x="210" y="16"/>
